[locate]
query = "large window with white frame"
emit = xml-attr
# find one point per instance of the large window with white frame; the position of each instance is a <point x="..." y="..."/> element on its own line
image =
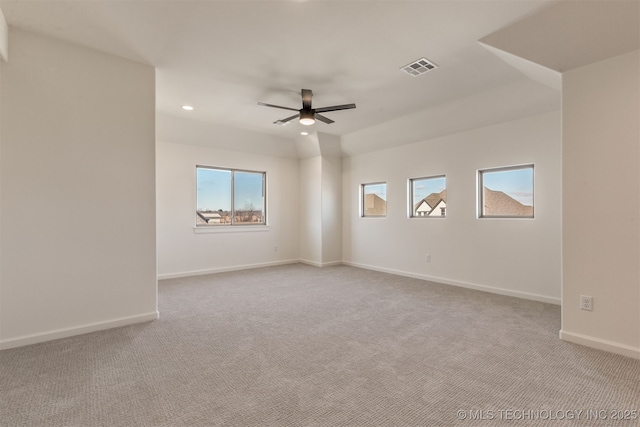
<point x="373" y="199"/>
<point x="228" y="197"/>
<point x="506" y="192"/>
<point x="428" y="197"/>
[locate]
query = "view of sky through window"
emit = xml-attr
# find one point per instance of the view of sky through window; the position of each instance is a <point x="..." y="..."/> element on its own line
<point x="374" y="199"/>
<point x="218" y="189"/>
<point x="214" y="189"/>
<point x="517" y="183"/>
<point x="379" y="190"/>
<point x="428" y="197"/>
<point x="424" y="187"/>
<point x="247" y="191"/>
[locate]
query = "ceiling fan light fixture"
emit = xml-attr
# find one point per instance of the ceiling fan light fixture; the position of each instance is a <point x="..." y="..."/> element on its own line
<point x="307" y="115"/>
<point x="306" y="118"/>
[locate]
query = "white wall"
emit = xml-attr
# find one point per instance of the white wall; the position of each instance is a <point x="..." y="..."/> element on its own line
<point x="601" y="166"/>
<point x="311" y="210"/>
<point x="181" y="251"/>
<point x="518" y="257"/>
<point x="331" y="210"/>
<point x="78" y="194"/>
<point x="1" y="67"/>
<point x="321" y="201"/>
<point x="4" y="38"/>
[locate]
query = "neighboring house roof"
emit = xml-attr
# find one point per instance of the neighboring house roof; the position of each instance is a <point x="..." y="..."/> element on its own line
<point x="207" y="217"/>
<point x="200" y="219"/>
<point x="210" y="215"/>
<point x="374" y="205"/>
<point x="497" y="203"/>
<point x="441" y="204"/>
<point x="423" y="206"/>
<point x="433" y="199"/>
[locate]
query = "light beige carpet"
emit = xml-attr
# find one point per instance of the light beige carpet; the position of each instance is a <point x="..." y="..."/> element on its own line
<point x="303" y="346"/>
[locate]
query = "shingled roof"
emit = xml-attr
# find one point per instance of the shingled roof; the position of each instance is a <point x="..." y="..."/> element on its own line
<point x="433" y="199"/>
<point x="497" y="203"/>
<point x="374" y="205"/>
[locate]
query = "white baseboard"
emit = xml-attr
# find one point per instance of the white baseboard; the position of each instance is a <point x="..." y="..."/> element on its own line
<point x="483" y="288"/>
<point x="225" y="269"/>
<point x="600" y="344"/>
<point x="76" y="330"/>
<point x="320" y="264"/>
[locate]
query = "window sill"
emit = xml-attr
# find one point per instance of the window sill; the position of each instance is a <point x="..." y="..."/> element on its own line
<point x="230" y="229"/>
<point x="428" y="217"/>
<point x="506" y="217"/>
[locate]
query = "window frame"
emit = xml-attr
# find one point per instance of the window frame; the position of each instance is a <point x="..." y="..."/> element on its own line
<point x="480" y="191"/>
<point x="233" y="222"/>
<point x="362" y="200"/>
<point x="411" y="195"/>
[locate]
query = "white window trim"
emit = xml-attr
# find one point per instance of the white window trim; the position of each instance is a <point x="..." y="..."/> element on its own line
<point x="410" y="213"/>
<point x="362" y="208"/>
<point x="204" y="228"/>
<point x="229" y="229"/>
<point x="479" y="192"/>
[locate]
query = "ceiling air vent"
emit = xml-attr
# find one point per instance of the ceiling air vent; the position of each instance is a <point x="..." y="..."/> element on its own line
<point x="418" y="67"/>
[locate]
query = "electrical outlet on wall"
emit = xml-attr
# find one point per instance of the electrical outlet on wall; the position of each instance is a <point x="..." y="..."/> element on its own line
<point x="427" y="257"/>
<point x="586" y="302"/>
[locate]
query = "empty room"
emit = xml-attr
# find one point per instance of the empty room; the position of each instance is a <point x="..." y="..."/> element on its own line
<point x="319" y="213"/>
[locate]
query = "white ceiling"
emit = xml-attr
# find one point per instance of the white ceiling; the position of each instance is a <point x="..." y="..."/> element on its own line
<point x="224" y="56"/>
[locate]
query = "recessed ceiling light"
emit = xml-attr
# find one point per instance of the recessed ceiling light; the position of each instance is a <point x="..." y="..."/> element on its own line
<point x="187" y="107"/>
<point x="304" y="133"/>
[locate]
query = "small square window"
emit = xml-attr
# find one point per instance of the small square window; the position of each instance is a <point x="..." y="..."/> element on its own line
<point x="428" y="197"/>
<point x="506" y="192"/>
<point x="374" y="199"/>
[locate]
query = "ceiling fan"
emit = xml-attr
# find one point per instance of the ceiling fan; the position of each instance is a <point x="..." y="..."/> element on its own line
<point x="307" y="114"/>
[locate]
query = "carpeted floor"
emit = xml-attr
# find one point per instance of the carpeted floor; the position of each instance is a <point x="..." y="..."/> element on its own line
<point x="337" y="346"/>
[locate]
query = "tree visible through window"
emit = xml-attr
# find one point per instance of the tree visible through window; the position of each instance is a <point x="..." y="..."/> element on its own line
<point x="229" y="197"/>
<point x="506" y="192"/>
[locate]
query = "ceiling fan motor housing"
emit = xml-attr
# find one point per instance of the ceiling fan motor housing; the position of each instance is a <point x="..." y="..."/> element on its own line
<point x="307" y="117"/>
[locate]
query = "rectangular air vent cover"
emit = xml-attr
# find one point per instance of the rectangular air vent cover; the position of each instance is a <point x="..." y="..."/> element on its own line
<point x="418" y="67"/>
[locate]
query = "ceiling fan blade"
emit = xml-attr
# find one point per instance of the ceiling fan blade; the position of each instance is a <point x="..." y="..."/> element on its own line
<point x="306" y="99"/>
<point x="277" y="106"/>
<point x="335" y="108"/>
<point x="285" y="121"/>
<point x="324" y="119"/>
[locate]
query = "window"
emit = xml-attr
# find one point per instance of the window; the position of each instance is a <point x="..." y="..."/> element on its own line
<point x="428" y="197"/>
<point x="506" y="192"/>
<point x="229" y="197"/>
<point x="374" y="199"/>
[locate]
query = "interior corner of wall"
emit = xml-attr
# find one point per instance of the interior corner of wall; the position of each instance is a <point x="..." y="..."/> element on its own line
<point x="532" y="70"/>
<point x="4" y="38"/>
<point x="307" y="147"/>
<point x="330" y="145"/>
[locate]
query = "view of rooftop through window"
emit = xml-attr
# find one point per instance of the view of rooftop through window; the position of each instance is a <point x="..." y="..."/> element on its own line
<point x="229" y="197"/>
<point x="374" y="199"/>
<point x="428" y="197"/>
<point x="506" y="192"/>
